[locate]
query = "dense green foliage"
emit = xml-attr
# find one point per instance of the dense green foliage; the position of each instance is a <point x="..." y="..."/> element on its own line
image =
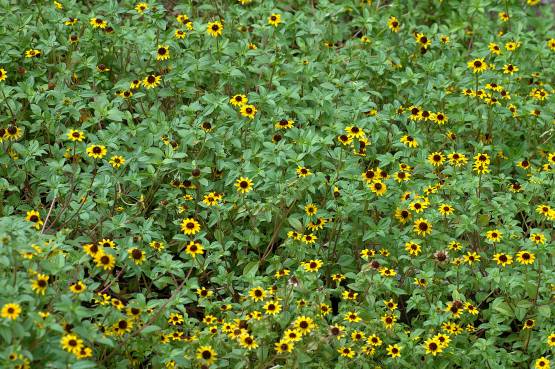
<point x="277" y="184"/>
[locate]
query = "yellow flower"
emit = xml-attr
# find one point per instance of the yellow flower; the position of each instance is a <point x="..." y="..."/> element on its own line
<point x="163" y="52"/>
<point x="477" y="65"/>
<point x="542" y="363"/>
<point x="141" y="7"/>
<point x="346" y="352"/>
<point x="238" y="100"/>
<point x="206" y="354"/>
<point x="76" y="135"/>
<point x="3" y="74"/>
<point x="432" y="346"/>
<point x="105" y="261"/>
<point x="179" y="34"/>
<point x="284" y="346"/>
<point x="215" y="29"/>
<point x="525" y="257"/>
<point x="96" y="151"/>
<point x="243" y="184"/>
<point x="151" y="81"/>
<point x="98" y="23"/>
<point x="189" y="226"/>
<point x="248" y="111"/>
<point x="394" y="351"/>
<point x="10" y="311"/>
<point x="312" y="265"/>
<point x="71" y="343"/>
<point x="194" y="248"/>
<point x="78" y="287"/>
<point x="274" y="19"/>
<point x="272" y="307"/>
<point x="40" y="284"/>
<point x="117" y="161"/>
<point x="393" y="24"/>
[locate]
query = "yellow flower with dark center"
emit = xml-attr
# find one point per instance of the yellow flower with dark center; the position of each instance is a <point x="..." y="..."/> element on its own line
<point x="179" y="34"/>
<point x="207" y="355"/>
<point x="542" y="363"/>
<point x="272" y="307"/>
<point x="138" y="256"/>
<point x="304" y="325"/>
<point x="117" y="161"/>
<point x="355" y="132"/>
<point x="175" y="319"/>
<point x="477" y="65"/>
<point x="71" y="343"/>
<point x="394" y="351"/>
<point x="284" y="124"/>
<point x="257" y="294"/>
<point x="537" y="238"/>
<point x="40" y="284"/>
<point x="402" y="215"/>
<point x="151" y="81"/>
<point x="436" y="158"/>
<point x="190" y="226"/>
<point x="413" y="248"/>
<point x="84" y="352"/>
<point x="274" y="19"/>
<point x="10" y="311"/>
<point x="248" y="111"/>
<point x="77" y="287"/>
<point x="345" y="139"/>
<point x="432" y="346"/>
<point x="310" y="209"/>
<point x="352" y="317"/>
<point x="512" y="45"/>
<point x="141" y="7"/>
<point x="163" y="52"/>
<point x="243" y="185"/>
<point x="98" y="23"/>
<point x="346" y="352"/>
<point x="551" y="340"/>
<point x="247" y="341"/>
<point x="96" y="151"/>
<point x="309" y="239"/>
<point x="510" y="69"/>
<point x="494" y="48"/>
<point x="529" y="324"/>
<point x="494" y="235"/>
<point x="71" y="21"/>
<point x="105" y="261"/>
<point x="194" y="248"/>
<point x="122" y="326"/>
<point x="503" y="259"/>
<point x="471" y="257"/>
<point x="393" y="24"/>
<point x="439" y="117"/>
<point x="409" y="141"/>
<point x="525" y="257"/>
<point x="33" y="216"/>
<point x="215" y="29"/>
<point x="446" y="209"/>
<point x="238" y="100"/>
<point x="377" y="187"/>
<point x="284" y="346"/>
<point x="3" y="74"/>
<point x="32" y="53"/>
<point x="76" y="135"/>
<point x="312" y="265"/>
<point x="303" y="171"/>
<point x="423" y="40"/>
<point x="422" y="227"/>
<point x="205" y="293"/>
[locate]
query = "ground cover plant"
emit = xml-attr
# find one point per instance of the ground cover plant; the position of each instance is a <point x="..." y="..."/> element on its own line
<point x="277" y="184"/>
